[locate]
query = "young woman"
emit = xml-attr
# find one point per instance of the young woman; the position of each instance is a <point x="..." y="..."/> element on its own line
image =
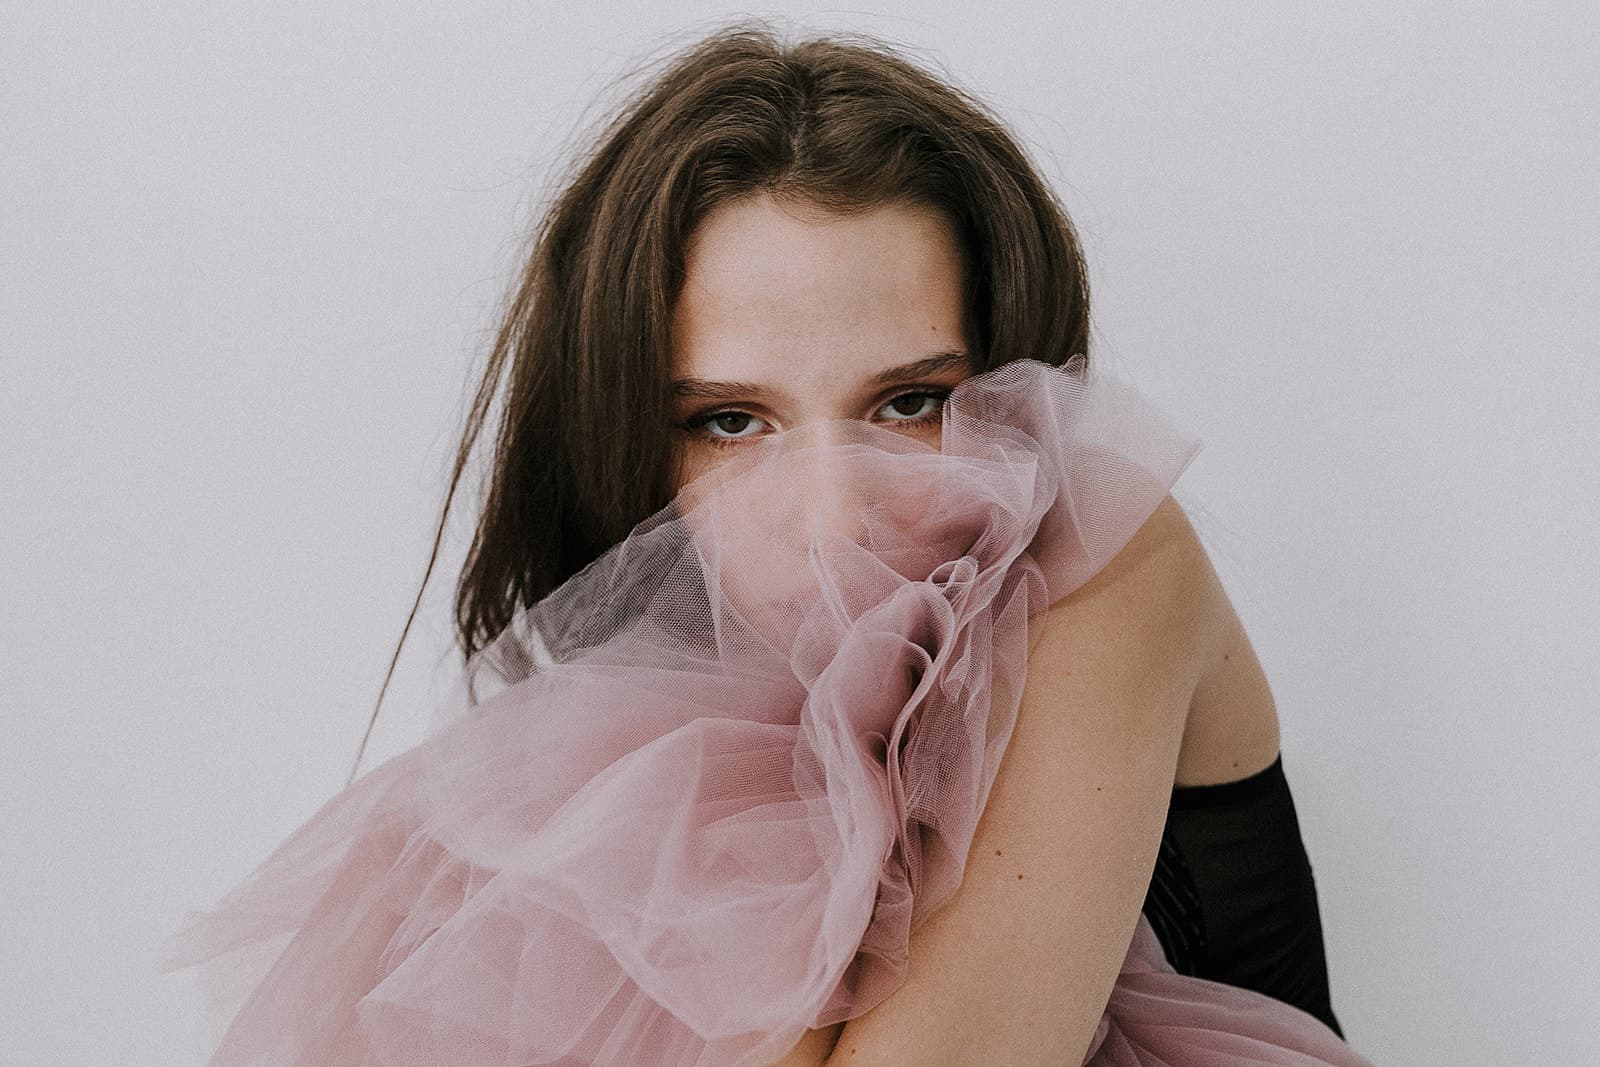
<point x="803" y="513"/>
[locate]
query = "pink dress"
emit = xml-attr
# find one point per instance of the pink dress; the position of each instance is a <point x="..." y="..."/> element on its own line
<point x="693" y="802"/>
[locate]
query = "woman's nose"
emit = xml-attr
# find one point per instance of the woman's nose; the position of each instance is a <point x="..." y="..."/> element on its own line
<point x="830" y="490"/>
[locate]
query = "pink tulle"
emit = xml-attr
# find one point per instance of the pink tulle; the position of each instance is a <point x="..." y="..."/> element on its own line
<point x="693" y="802"/>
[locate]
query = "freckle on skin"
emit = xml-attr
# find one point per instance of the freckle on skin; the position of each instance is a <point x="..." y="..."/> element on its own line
<point x="1019" y="877"/>
<point x="997" y="852"/>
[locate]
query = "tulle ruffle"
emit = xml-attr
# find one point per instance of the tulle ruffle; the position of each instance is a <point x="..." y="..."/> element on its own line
<point x="693" y="802"/>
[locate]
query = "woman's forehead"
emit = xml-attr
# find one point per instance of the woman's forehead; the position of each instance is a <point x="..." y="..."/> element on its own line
<point x="758" y="245"/>
<point x="767" y="290"/>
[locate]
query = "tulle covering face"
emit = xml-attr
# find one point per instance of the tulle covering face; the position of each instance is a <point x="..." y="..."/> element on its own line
<point x="694" y="802"/>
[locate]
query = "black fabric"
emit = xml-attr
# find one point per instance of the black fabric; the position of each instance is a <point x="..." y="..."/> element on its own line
<point x="1232" y="897"/>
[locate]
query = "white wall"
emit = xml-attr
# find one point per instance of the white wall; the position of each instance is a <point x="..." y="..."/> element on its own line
<point x="252" y="257"/>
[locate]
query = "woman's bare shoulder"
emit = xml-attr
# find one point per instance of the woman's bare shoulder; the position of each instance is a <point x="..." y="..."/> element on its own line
<point x="1164" y="578"/>
<point x="1161" y="585"/>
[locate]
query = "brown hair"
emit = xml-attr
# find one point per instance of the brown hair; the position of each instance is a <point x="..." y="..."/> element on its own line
<point x="585" y="447"/>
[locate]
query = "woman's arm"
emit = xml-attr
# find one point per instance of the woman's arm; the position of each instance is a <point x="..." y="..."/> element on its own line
<point x="1018" y="965"/>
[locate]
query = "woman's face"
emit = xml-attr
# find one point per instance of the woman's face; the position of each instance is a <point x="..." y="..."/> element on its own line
<point x="789" y="315"/>
<point x="791" y="318"/>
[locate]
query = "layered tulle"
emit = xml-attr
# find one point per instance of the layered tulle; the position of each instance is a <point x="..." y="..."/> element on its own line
<point x="693" y="802"/>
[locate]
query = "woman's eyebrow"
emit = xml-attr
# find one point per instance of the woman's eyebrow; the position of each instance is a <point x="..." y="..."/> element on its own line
<point x="924" y="368"/>
<point x="939" y="363"/>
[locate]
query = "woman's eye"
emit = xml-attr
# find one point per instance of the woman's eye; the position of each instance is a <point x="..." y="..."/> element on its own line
<point x="917" y="409"/>
<point x="719" y="420"/>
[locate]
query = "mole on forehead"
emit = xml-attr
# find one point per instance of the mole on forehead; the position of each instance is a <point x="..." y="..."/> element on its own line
<point x="690" y="387"/>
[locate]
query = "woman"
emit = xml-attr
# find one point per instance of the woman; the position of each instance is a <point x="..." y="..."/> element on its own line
<point x="799" y="480"/>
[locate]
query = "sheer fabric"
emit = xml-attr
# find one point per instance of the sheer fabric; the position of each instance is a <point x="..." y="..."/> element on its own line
<point x="694" y="801"/>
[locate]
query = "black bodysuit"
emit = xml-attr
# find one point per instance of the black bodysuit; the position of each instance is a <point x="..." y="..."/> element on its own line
<point x="1232" y="897"/>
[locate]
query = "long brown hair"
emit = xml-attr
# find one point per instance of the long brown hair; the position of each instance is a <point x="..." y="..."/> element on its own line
<point x="585" y="447"/>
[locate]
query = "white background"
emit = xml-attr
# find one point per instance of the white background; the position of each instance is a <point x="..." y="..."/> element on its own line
<point x="252" y="254"/>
